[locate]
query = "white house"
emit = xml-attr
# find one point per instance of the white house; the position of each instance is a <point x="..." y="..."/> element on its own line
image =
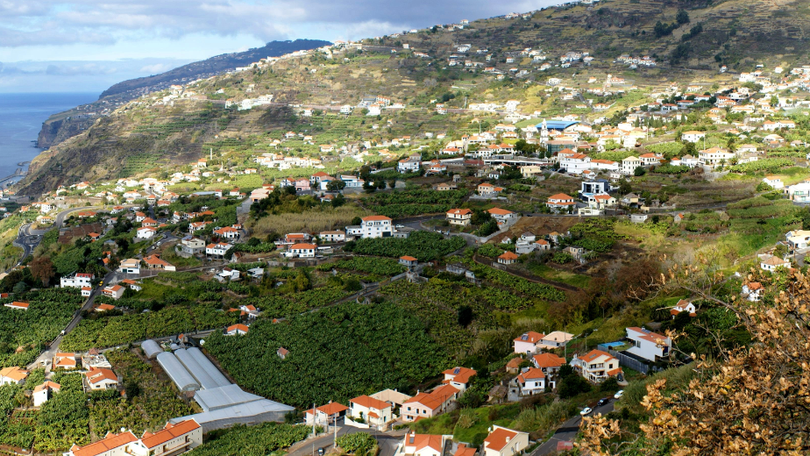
<point x="774" y="182"/>
<point x="130" y="266"/>
<point x="459" y="377"/>
<point x="110" y="445"/>
<point x="798" y="239"/>
<point x="596" y="366"/>
<point x="555" y="339"/>
<point x="753" y="291"/>
<point x="332" y="236"/>
<point x="647" y="344"/>
<point x="715" y="156"/>
<point x="237" y="330"/>
<point x="145" y="232"/>
<point x="44" y="392"/>
<point x="100" y="379"/>
<point x="460" y="217"/>
<point x="376" y="226"/>
<point x="502" y="216"/>
<point x="504" y="442"/>
<point x="774" y="262"/>
<point x="301" y="251"/>
<point x="411" y="164"/>
<point x="560" y="201"/>
<point x="218" y="249"/>
<point x="683" y="306"/>
<point x="114" y="291"/>
<point x="173" y="439"/>
<point x="531" y="381"/>
<point x="325" y="414"/>
<point x="424" y="444"/>
<point x="13" y="376"/>
<point x="693" y="136"/>
<point x="799" y="193"/>
<point x="528" y="342"/>
<point x="373" y="411"/>
<point x="629" y="165"/>
<point x="78" y="280"/>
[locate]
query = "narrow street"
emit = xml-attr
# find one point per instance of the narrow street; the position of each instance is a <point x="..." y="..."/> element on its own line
<point x="568" y="431"/>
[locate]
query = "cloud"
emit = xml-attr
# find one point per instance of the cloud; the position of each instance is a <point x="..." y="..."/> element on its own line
<point x="156" y="68"/>
<point x="28" y="23"/>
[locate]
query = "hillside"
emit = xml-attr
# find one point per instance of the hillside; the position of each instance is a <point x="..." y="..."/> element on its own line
<point x="687" y="47"/>
<point x="64" y="125"/>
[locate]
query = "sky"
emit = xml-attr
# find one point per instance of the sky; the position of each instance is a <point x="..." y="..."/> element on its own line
<point x="88" y="45"/>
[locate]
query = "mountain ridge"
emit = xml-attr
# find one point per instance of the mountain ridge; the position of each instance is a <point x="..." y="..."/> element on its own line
<point x="67" y="124"/>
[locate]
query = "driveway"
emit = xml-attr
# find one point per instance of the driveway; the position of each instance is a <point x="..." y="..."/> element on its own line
<point x="387" y="441"/>
<point x="568" y="431"/>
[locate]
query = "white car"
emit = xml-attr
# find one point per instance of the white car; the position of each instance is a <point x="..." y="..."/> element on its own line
<point x="618" y="394"/>
<point x="586" y="411"/>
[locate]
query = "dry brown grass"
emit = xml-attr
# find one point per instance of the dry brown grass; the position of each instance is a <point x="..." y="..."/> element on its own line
<point x="313" y="221"/>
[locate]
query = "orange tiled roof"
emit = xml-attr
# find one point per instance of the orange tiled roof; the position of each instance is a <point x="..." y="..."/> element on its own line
<point x="170" y="432"/>
<point x="110" y="442"/>
<point x="498" y="439"/>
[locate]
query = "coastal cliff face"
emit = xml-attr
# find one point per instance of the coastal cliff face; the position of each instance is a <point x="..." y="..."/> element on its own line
<point x="57" y="130"/>
<point x="64" y="125"/>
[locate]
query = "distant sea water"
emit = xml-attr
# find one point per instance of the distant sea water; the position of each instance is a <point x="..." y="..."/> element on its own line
<point x="21" y="118"/>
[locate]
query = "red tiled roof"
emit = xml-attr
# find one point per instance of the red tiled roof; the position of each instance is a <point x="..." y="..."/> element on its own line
<point x="238" y="326"/>
<point x="498" y="439"/>
<point x="370" y="402"/>
<point x="508" y="256"/>
<point x="110" y="442"/>
<point x="532" y="337"/>
<point x="170" y="432"/>
<point x="548" y="360"/>
<point x="376" y="218"/>
<point x="460" y="374"/>
<point x="531" y="374"/>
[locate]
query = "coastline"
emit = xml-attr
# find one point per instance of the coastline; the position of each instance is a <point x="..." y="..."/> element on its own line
<point x="19" y="174"/>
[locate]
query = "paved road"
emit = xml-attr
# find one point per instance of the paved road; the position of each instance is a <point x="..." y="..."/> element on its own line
<point x="568" y="431"/>
<point x="53" y="348"/>
<point x="387" y="441"/>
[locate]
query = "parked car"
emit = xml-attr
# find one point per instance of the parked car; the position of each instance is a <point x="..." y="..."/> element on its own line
<point x="618" y="394"/>
<point x="586" y="411"/>
<point x="603" y="401"/>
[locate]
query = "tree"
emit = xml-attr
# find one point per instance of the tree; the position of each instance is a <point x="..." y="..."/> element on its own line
<point x="335" y="185"/>
<point x="721" y="410"/>
<point x="42" y="269"/>
<point x="682" y="17"/>
<point x="639" y="171"/>
<point x="570" y="383"/>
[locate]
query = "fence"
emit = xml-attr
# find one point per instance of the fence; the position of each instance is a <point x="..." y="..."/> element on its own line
<point x="626" y="361"/>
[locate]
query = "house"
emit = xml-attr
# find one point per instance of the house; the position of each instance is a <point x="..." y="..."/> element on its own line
<point x="461" y="217"/>
<point x="799" y="193"/>
<point x="301" y="251"/>
<point x="773" y="263"/>
<point x="218" y="249"/>
<point x="332" y="236"/>
<point x="227" y="232"/>
<point x="507" y="258"/>
<point x="408" y="261"/>
<point x="774" y="182"/>
<point x="753" y="291"/>
<point x="86" y="291"/>
<point x="798" y="239"/>
<point x="249" y="310"/>
<point x="325" y="414"/>
<point x="560" y="201"/>
<point x="114" y="291"/>
<point x="130" y="266"/>
<point x="629" y="165"/>
<point x="100" y="379"/>
<point x="191" y="246"/>
<point x="282" y="352"/>
<point x="373" y="411"/>
<point x="236" y="330"/>
<point x="110" y="445"/>
<point x="145" y="232"/>
<point x="647" y="344"/>
<point x="556" y="339"/>
<point x="428" y="405"/>
<point x="424" y="444"/>
<point x="173" y="439"/>
<point x="715" y="156"/>
<point x="376" y="226"/>
<point x="78" y="280"/>
<point x="459" y="377"/>
<point x="693" y="136"/>
<point x="528" y="342"/>
<point x="488" y="190"/>
<point x="13" y="376"/>
<point x="683" y="306"/>
<point x="411" y="164"/>
<point x="549" y="363"/>
<point x="44" y="392"/>
<point x="638" y="218"/>
<point x="502" y="216"/>
<point x="227" y="274"/>
<point x="504" y="442"/>
<point x="531" y="381"/>
<point x="65" y="361"/>
<point x="17" y="305"/>
<point x="155" y="262"/>
<point x="596" y="366"/>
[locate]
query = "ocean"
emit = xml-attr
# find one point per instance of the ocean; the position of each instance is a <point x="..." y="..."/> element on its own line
<point x="21" y="118"/>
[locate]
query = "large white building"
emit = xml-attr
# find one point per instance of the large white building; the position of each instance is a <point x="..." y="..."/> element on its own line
<point x="647" y="344"/>
<point x="596" y="366"/>
<point x="376" y="226"/>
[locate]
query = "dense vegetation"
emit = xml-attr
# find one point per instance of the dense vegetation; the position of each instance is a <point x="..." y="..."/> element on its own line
<point x="261" y="440"/>
<point x="410" y="203"/>
<point x="335" y="354"/>
<point x="422" y="245"/>
<point x="23" y="333"/>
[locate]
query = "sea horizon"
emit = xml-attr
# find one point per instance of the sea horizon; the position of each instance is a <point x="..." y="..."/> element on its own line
<point x="21" y="117"/>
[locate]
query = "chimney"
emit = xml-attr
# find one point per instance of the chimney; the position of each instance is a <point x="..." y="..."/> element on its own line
<point x="508" y="439"/>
